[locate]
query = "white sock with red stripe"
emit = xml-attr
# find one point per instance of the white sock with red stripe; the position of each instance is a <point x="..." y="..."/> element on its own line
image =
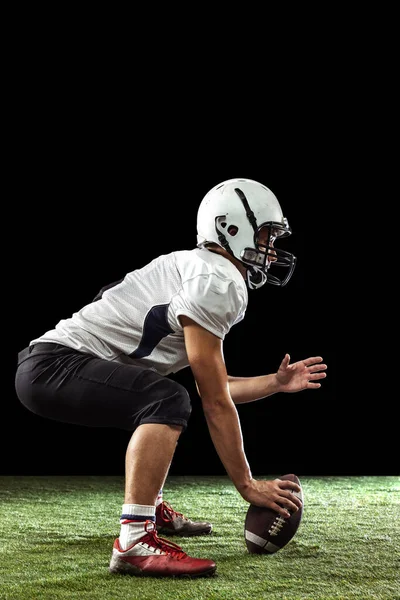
<point x="132" y="520"/>
<point x="159" y="497"/>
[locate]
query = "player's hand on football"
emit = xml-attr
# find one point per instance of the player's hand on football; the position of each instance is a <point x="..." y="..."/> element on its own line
<point x="301" y="375"/>
<point x="276" y="494"/>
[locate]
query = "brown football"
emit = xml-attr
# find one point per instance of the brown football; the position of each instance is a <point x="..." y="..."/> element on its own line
<point x="266" y="531"/>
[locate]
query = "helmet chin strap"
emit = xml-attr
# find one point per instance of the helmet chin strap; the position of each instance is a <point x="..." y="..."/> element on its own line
<point x="255" y="278"/>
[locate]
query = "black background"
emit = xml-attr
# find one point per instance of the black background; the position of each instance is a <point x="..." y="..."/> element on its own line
<point x="109" y="175"/>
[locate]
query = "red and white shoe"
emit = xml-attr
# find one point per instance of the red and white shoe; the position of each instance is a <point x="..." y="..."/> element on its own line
<point x="171" y="522"/>
<point x="157" y="557"/>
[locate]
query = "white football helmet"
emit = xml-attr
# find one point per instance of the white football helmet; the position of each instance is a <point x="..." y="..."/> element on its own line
<point x="232" y="214"/>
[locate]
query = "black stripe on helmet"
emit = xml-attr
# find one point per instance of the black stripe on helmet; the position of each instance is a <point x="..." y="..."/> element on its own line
<point x="249" y="212"/>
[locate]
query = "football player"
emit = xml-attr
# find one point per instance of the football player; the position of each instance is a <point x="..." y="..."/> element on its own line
<point x="108" y="365"/>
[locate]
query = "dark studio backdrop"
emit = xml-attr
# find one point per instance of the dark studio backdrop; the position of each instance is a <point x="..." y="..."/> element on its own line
<point x="114" y="224"/>
<point x="110" y="218"/>
<point x="104" y="190"/>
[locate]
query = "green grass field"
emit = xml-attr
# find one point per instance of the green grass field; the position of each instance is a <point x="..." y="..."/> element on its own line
<point x="57" y="533"/>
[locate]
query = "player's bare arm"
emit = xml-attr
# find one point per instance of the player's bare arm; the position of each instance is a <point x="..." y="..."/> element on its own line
<point x="208" y="367"/>
<point x="295" y="377"/>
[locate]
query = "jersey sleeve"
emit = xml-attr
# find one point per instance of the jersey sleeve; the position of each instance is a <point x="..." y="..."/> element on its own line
<point x="213" y="302"/>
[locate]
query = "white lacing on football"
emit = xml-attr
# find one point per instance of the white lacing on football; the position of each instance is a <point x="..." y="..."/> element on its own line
<point x="277" y="525"/>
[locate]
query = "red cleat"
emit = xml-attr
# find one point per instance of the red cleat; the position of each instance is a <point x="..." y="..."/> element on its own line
<point x="157" y="557"/>
<point x="171" y="522"/>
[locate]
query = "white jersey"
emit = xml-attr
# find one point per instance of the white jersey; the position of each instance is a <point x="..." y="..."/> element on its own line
<point x="136" y="320"/>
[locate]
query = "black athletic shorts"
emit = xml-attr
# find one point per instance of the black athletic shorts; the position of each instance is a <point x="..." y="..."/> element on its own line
<point x="63" y="384"/>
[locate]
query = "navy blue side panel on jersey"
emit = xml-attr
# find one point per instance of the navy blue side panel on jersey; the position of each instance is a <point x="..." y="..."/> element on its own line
<point x="154" y="329"/>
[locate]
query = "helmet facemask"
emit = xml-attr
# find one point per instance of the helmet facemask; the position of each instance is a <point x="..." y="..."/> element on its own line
<point x="264" y="255"/>
<point x="258" y="258"/>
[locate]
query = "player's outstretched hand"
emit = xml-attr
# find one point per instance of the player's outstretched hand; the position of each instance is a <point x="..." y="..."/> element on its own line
<point x="301" y="375"/>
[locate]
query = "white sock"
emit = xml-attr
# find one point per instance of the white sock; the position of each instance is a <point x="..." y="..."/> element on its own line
<point x="159" y="497"/>
<point x="132" y="520"/>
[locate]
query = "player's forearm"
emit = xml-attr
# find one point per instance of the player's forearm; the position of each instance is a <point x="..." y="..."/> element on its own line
<point x="224" y="427"/>
<point x="249" y="389"/>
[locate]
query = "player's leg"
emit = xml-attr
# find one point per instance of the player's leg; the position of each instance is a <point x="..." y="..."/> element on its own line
<point x="139" y="550"/>
<point x="145" y="466"/>
<point x="59" y="383"/>
<point x="68" y="386"/>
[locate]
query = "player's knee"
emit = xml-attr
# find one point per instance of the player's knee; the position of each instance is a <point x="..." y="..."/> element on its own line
<point x="177" y="404"/>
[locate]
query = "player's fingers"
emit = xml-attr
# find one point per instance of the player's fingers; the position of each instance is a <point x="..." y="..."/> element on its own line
<point x="314" y="376"/>
<point x="289" y="505"/>
<point x="315" y="368"/>
<point x="279" y="509"/>
<point x="285" y="484"/>
<point x="312" y="360"/>
<point x="291" y="498"/>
